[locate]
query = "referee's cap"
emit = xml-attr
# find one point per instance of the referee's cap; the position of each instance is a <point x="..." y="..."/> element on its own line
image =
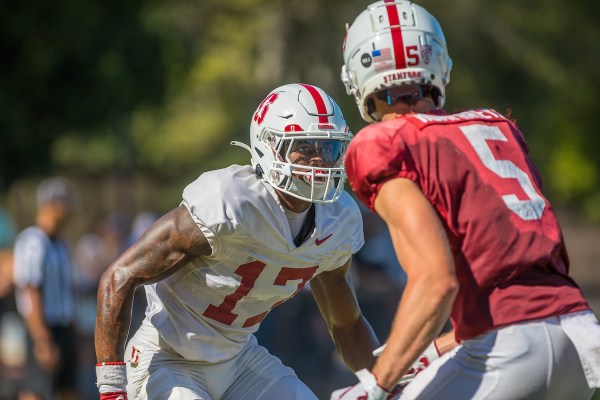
<point x="55" y="189"/>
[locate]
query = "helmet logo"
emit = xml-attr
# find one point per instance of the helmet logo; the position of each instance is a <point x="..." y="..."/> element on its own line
<point x="366" y="60"/>
<point x="263" y="108"/>
<point x="293" y="128"/>
<point x="426" y="53"/>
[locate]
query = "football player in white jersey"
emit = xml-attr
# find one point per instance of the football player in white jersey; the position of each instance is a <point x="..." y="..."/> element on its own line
<point x="243" y="240"/>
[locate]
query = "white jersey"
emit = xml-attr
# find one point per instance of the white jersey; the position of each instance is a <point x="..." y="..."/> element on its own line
<point x="207" y="310"/>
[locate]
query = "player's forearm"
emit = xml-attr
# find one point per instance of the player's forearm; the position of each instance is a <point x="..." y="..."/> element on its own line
<point x="115" y="299"/>
<point x="355" y="344"/>
<point x="423" y="310"/>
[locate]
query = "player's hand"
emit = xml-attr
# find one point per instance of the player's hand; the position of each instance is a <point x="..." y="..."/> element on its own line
<point x="366" y="389"/>
<point x="431" y="353"/>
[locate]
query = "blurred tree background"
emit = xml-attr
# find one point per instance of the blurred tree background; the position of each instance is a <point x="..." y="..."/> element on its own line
<point x="132" y="100"/>
<point x="155" y="88"/>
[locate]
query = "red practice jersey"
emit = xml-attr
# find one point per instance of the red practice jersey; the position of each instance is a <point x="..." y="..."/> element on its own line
<point x="510" y="256"/>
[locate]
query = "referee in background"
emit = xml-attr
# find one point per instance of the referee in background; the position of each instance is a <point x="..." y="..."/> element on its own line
<point x="44" y="294"/>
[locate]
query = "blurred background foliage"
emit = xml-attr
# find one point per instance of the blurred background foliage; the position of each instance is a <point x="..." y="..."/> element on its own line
<point x="156" y="90"/>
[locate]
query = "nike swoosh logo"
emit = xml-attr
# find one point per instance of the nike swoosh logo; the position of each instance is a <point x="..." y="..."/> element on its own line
<point x="320" y="242"/>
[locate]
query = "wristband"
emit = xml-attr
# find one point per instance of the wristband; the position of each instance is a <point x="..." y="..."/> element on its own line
<point x="111" y="374"/>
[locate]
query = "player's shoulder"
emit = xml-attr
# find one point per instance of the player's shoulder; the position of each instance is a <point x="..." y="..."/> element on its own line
<point x="232" y="174"/>
<point x="422" y="120"/>
<point x="342" y="220"/>
<point x="345" y="208"/>
<point x="225" y="182"/>
<point x="228" y="199"/>
<point x="347" y="202"/>
<point x="381" y="130"/>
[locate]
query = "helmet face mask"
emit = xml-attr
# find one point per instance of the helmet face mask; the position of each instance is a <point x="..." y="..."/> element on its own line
<point x="392" y="44"/>
<point x="298" y="138"/>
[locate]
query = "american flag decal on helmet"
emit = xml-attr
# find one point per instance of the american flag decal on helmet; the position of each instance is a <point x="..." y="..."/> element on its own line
<point x="381" y="55"/>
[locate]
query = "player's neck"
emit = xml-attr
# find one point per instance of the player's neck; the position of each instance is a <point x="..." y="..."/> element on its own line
<point x="394" y="111"/>
<point x="292" y="203"/>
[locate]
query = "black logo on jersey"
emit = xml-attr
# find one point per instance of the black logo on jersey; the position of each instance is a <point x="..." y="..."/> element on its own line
<point x="366" y="60"/>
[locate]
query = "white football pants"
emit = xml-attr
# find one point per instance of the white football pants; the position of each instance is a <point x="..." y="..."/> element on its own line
<point x="162" y="374"/>
<point x="531" y="360"/>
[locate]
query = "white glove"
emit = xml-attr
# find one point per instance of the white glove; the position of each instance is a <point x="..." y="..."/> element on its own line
<point x="431" y="353"/>
<point x="366" y="389"/>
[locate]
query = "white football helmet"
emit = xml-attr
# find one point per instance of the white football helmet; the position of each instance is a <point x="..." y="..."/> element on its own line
<point x="298" y="139"/>
<point x="391" y="44"/>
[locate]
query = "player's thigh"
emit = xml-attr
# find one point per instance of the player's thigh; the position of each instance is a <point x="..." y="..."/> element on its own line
<point x="260" y="375"/>
<point x="158" y="374"/>
<point x="173" y="384"/>
<point x="156" y="379"/>
<point x="567" y="379"/>
<point x="516" y="362"/>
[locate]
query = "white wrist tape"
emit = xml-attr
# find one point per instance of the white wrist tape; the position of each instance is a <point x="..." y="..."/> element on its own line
<point x="431" y="352"/>
<point x="111" y="374"/>
<point x="374" y="391"/>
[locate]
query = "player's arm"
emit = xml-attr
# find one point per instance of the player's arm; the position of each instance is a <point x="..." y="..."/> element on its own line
<point x="172" y="242"/>
<point x="353" y="336"/>
<point x="423" y="250"/>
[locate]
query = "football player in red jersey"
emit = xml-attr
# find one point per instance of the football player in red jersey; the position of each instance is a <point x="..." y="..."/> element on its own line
<point x="470" y="225"/>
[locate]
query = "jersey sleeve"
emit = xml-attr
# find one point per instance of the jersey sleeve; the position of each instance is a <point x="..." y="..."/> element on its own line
<point x="374" y="157"/>
<point x="222" y="203"/>
<point x="206" y="202"/>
